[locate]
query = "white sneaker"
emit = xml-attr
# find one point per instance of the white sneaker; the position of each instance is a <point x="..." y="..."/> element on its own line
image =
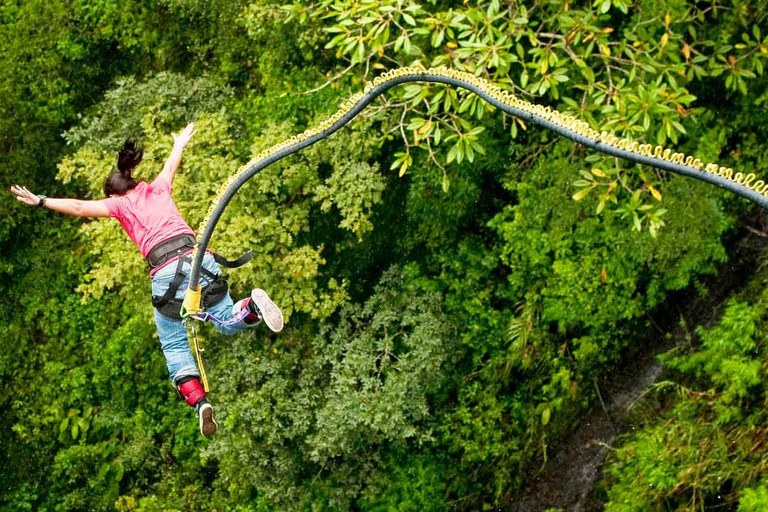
<point x="268" y="310"/>
<point x="208" y="425"/>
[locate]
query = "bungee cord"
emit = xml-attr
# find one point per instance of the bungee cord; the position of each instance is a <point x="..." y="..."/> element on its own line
<point x="747" y="186"/>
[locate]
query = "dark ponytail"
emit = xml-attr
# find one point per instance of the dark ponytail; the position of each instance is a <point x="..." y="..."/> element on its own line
<point x="120" y="182"/>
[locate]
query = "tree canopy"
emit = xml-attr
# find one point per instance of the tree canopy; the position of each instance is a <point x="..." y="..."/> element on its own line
<point x="453" y="279"/>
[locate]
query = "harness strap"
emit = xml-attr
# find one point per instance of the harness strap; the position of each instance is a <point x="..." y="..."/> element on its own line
<point x="214" y="290"/>
<point x="239" y="262"/>
<point x="205" y="271"/>
<point x="162" y="252"/>
<point x="209" y="317"/>
<point x="170" y="293"/>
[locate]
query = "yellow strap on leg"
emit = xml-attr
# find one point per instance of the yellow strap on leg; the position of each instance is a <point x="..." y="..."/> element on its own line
<point x="198" y="349"/>
<point x="191" y="306"/>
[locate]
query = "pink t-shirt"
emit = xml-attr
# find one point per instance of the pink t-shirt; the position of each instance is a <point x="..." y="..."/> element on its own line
<point x="148" y="214"/>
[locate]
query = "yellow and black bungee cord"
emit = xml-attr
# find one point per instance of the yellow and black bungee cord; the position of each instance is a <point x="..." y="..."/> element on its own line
<point x="744" y="185"/>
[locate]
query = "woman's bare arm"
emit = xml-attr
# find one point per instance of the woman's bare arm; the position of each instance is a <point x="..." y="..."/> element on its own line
<point x="180" y="141"/>
<point x="75" y="207"/>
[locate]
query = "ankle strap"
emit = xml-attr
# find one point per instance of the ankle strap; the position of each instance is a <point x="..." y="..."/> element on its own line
<point x="191" y="391"/>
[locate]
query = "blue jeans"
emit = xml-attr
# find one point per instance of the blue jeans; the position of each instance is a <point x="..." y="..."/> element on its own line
<point x="173" y="334"/>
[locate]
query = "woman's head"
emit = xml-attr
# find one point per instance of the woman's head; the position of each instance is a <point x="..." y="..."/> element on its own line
<point x="120" y="182"/>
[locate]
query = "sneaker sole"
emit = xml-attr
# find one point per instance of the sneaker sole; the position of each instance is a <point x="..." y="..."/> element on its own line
<point x="271" y="314"/>
<point x="208" y="425"/>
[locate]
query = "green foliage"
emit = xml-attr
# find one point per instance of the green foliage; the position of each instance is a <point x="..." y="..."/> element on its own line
<point x="335" y="404"/>
<point x="627" y="72"/>
<point x="704" y="450"/>
<point x="411" y="483"/>
<point x="453" y="280"/>
<point x="754" y="500"/>
<point x="727" y="358"/>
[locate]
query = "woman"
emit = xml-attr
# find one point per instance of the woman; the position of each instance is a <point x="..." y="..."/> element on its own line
<point x="150" y="218"/>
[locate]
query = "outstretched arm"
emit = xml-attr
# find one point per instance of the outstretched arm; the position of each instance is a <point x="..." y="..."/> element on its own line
<point x="75" y="207"/>
<point x="180" y="141"/>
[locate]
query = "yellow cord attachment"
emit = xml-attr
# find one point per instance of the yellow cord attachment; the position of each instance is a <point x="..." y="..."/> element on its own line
<point x="192" y="301"/>
<point x="198" y="350"/>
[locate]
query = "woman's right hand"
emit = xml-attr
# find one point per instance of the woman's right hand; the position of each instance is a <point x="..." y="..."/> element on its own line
<point x="182" y="139"/>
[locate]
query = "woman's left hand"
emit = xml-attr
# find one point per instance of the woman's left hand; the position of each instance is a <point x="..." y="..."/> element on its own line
<point x="25" y="196"/>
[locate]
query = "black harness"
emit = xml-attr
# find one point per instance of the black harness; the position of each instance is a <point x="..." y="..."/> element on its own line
<point x="180" y="247"/>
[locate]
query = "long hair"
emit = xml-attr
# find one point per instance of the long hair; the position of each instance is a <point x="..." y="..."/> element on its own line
<point x="120" y="181"/>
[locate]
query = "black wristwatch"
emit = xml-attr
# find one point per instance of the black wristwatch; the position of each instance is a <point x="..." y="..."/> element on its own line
<point x="42" y="199"/>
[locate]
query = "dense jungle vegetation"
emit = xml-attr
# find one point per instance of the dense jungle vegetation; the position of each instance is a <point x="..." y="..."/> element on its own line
<point x="453" y="279"/>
